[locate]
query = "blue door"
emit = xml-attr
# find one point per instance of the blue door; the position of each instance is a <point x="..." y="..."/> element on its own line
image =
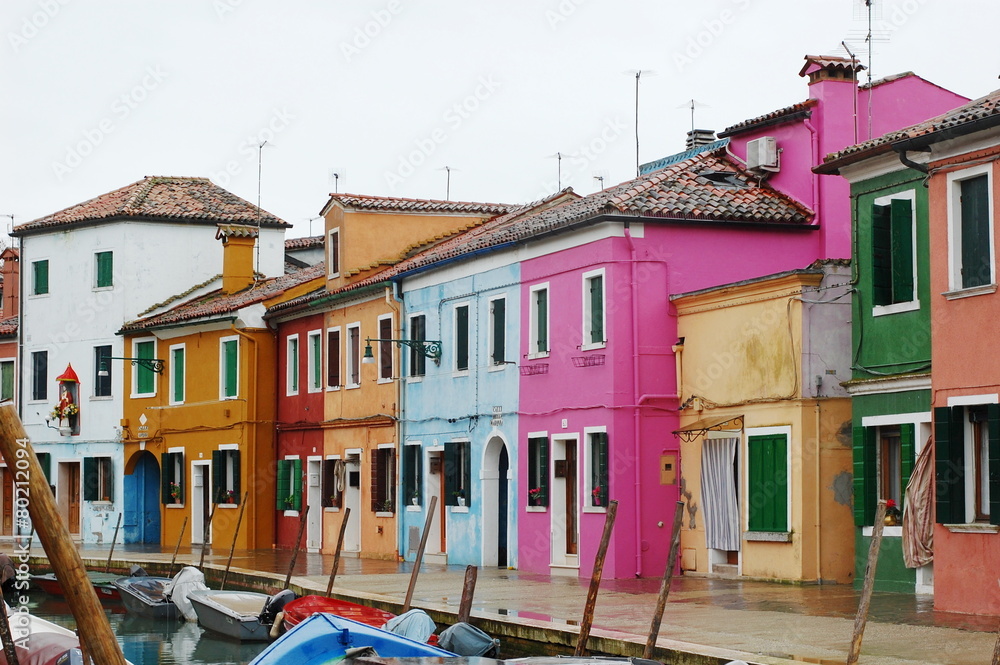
<point x="141" y="521"/>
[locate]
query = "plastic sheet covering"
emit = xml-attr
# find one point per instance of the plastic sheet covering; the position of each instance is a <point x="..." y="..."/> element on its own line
<point x="414" y="624"/>
<point x="918" y="511"/>
<point x="187" y="580"/>
<point x="467" y="640"/>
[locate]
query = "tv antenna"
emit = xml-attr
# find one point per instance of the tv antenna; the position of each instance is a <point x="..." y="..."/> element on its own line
<point x="692" y="105"/>
<point x="447" y="190"/>
<point x="310" y="222"/>
<point x="335" y="175"/>
<point x="638" y="73"/>
<point x="600" y="180"/>
<point x="559" y="157"/>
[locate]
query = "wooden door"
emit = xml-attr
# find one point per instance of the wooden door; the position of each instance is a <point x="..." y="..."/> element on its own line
<point x="73" y="498"/>
<point x="571" y="498"/>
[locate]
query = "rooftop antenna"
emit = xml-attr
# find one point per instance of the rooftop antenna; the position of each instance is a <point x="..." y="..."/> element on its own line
<point x="447" y="190"/>
<point x="335" y="175"/>
<point x="868" y="11"/>
<point x="854" y="59"/>
<point x="600" y="180"/>
<point x="559" y="157"/>
<point x="310" y="221"/>
<point x="638" y="75"/>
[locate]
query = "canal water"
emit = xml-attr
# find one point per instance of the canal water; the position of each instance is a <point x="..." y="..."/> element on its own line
<point x="150" y="642"/>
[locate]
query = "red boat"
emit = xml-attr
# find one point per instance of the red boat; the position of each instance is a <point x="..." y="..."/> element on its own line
<point x="302" y="608"/>
<point x="103" y="585"/>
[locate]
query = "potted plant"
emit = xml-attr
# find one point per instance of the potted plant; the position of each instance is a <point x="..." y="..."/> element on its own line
<point x="290" y="502"/>
<point x="230" y="496"/>
<point x="892" y="513"/>
<point x="537" y="496"/>
<point x="459" y="496"/>
<point x="415" y="498"/>
<point x="175" y="492"/>
<point x="598" y="498"/>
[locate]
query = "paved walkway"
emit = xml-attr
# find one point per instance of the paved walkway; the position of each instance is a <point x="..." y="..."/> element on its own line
<point x="757" y="621"/>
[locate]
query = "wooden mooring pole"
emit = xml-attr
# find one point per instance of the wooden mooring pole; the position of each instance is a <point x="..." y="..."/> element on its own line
<point x="295" y="550"/>
<point x="114" y="540"/>
<point x="9" y="651"/>
<point x="177" y="547"/>
<point x="204" y="537"/>
<point x="468" y="591"/>
<point x="336" y="553"/>
<point x="420" y="555"/>
<point x="668" y="576"/>
<point x="96" y="637"/>
<point x="861" y="618"/>
<point x="236" y="533"/>
<point x="595" y="580"/>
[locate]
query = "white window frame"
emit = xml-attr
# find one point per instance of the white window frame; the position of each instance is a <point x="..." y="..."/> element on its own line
<point x="31" y="376"/>
<point x="910" y="305"/>
<point x="31" y="278"/>
<point x="968" y="446"/>
<point x="393" y="491"/>
<point x="179" y="468"/>
<point x="533" y="321"/>
<point x="292" y="373"/>
<point x="289" y="512"/>
<point x="352" y="362"/>
<point x="411" y="378"/>
<point x="588" y="468"/>
<point x="135" y="374"/>
<point x="173" y="375"/>
<point x="222" y="367"/>
<point x="314" y="369"/>
<point x="955" y="289"/>
<point x="468" y="338"/>
<point x="340" y="357"/>
<point x="585" y="341"/>
<point x="112" y="285"/>
<point x="378" y="358"/>
<point x="745" y="473"/>
<point x="333" y="262"/>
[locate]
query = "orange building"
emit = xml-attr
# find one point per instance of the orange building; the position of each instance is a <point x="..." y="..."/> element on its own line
<point x="195" y="409"/>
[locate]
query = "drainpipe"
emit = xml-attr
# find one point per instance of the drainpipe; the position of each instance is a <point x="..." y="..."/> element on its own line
<point x="635" y="400"/>
<point x="394" y="300"/>
<point x="819" y="539"/>
<point x="816" y="184"/>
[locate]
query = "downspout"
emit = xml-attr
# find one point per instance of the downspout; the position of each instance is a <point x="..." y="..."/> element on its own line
<point x="635" y="400"/>
<point x="906" y="161"/>
<point x="392" y="297"/>
<point x="252" y="404"/>
<point x="816" y="186"/>
<point x="819" y="538"/>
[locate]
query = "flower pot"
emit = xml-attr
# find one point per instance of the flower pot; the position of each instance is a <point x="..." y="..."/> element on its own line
<point x="461" y="500"/>
<point x="415" y="501"/>
<point x="891" y="520"/>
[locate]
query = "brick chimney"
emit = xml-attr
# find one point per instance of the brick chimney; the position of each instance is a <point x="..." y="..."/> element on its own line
<point x="238" y="243"/>
<point x="699" y="137"/>
<point x="11" y="273"/>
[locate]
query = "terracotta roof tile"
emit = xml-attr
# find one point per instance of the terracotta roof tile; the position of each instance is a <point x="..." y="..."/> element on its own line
<point x="967" y="117"/>
<point x="303" y="243"/>
<point x="160" y="198"/>
<point x="787" y="114"/>
<point x="395" y="204"/>
<point x="8" y="326"/>
<point x="831" y="62"/>
<point x="217" y="303"/>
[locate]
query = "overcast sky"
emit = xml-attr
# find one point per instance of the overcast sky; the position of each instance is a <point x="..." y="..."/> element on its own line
<point x="387" y="93"/>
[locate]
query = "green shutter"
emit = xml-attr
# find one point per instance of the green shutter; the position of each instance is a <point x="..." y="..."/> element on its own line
<point x="377" y="488"/>
<point x="499" y="331"/>
<point x="975" y="232"/>
<point x="993" y="415"/>
<point x="283" y="485"/>
<point x="293" y="364"/>
<point x="7" y="380"/>
<point x="768" y="510"/>
<point x="881" y="255"/>
<point x="538" y="468"/>
<point x="91" y="482"/>
<point x="451" y="471"/>
<point x="542" y="322"/>
<point x="316" y="363"/>
<point x="45" y="461"/>
<point x="105" y="269"/>
<point x="467" y="472"/>
<point x="144" y="377"/>
<point x="41" y="277"/>
<point x="599" y="469"/>
<point x="597" y="310"/>
<point x="297" y="484"/>
<point x="462" y="338"/>
<point x="949" y="464"/>
<point x="543" y="468"/>
<point x="902" y="250"/>
<point x="218" y="476"/>
<point x="908" y="453"/>
<point x="177" y="377"/>
<point x="865" y="479"/>
<point x="237" y="486"/>
<point x="409" y="473"/>
<point x="166" y="476"/>
<point x="231" y="360"/>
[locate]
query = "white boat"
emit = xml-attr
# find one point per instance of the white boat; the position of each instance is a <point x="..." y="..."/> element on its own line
<point x="241" y="615"/>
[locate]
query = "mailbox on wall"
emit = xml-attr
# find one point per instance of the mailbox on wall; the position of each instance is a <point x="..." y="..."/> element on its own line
<point x="668" y="469"/>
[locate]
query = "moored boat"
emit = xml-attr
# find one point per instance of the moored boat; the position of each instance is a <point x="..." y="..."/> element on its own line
<point x="103" y="585"/>
<point x="147" y="596"/>
<point x="41" y="642"/>
<point x="300" y="609"/>
<point x="326" y="638"/>
<point x="241" y="615"/>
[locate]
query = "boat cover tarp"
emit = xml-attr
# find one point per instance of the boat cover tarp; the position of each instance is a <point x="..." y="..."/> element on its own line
<point x="414" y="624"/>
<point x="187" y="580"/>
<point x="299" y="609"/>
<point x="467" y="640"/>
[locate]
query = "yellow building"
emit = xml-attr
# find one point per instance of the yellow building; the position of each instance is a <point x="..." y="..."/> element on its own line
<point x="200" y="401"/>
<point x="765" y="427"/>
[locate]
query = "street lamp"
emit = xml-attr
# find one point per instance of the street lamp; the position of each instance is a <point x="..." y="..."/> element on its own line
<point x="429" y="347"/>
<point x="152" y="364"/>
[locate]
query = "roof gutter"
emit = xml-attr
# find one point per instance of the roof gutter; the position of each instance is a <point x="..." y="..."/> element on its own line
<point x="331" y="297"/>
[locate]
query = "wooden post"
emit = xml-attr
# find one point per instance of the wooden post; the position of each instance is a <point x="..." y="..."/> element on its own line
<point x="420" y="554"/>
<point x="468" y="591"/>
<point x="336" y="553"/>
<point x="595" y="580"/>
<point x="177" y="546"/>
<point x="668" y="576"/>
<point x="113" y="541"/>
<point x="861" y="618"/>
<point x="95" y="632"/>
<point x="204" y="538"/>
<point x="236" y="533"/>
<point x="298" y="539"/>
<point x="8" y="640"/>
<point x="996" y="652"/>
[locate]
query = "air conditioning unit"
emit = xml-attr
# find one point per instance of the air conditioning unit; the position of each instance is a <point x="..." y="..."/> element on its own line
<point x="762" y="154"/>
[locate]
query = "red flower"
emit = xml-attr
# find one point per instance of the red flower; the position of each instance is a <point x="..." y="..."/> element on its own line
<point x="890" y="504"/>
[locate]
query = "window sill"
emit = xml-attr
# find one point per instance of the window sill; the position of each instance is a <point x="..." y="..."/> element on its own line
<point x="497" y="367"/>
<point x="284" y="513"/>
<point x="101" y="398"/>
<point x="459" y="509"/>
<point x="385" y="380"/>
<point x="595" y="509"/>
<point x="458" y="373"/>
<point x="536" y="509"/>
<point x="175" y="505"/>
<point x="983" y="290"/>
<point x="383" y="513"/>
<point x="767" y="536"/>
<point x="415" y="379"/>
<point x="104" y="288"/>
<point x="143" y="396"/>
<point x="352" y="386"/>
<point x="315" y="391"/>
<point x="102" y="504"/>
<point x="227" y="506"/>
<point x="532" y="356"/>
<point x="592" y="346"/>
<point x="293" y="393"/>
<point x="414" y="509"/>
<point x="332" y="389"/>
<point x="331" y="509"/>
<point x="896" y="308"/>
<point x="974" y="527"/>
<point x="891" y="531"/>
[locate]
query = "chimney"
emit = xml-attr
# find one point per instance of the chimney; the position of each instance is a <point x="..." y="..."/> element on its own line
<point x="238" y="243"/>
<point x="830" y="68"/>
<point x="11" y="274"/>
<point x="699" y="137"/>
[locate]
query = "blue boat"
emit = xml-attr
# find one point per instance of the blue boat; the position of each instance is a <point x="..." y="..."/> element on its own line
<point x="326" y="638"/>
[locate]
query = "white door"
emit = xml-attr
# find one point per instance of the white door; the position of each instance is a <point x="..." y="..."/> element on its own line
<point x="314" y="528"/>
<point x="352" y="500"/>
<point x="432" y="482"/>
<point x="200" y="503"/>
<point x="565" y="506"/>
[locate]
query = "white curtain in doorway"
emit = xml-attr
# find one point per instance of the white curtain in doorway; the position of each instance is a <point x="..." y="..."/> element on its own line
<point x="718" y="494"/>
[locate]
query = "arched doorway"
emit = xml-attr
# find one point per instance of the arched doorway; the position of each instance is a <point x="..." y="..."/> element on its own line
<point x="141" y="518"/>
<point x="496" y="503"/>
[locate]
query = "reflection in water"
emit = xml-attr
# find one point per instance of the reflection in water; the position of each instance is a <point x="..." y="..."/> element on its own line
<point x="155" y="642"/>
